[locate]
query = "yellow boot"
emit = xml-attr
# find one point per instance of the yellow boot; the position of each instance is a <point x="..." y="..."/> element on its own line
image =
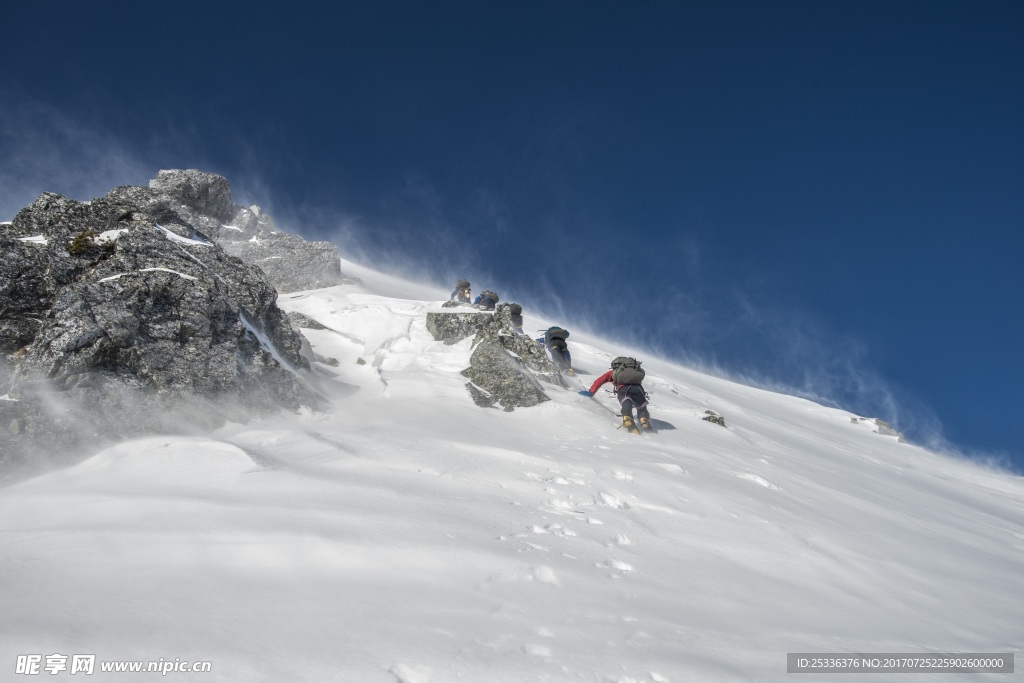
<point x="628" y="423"/>
<point x="645" y="424"/>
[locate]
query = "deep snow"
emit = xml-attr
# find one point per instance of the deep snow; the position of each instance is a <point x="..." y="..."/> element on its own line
<point x="406" y="534"/>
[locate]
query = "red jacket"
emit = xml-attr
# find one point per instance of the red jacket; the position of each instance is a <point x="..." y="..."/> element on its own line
<point x="602" y="380"/>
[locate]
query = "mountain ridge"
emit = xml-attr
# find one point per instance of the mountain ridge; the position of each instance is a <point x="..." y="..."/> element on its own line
<point x="404" y="533"/>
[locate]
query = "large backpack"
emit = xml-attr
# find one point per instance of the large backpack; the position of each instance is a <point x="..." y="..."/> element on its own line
<point x="488" y="294"/>
<point x="555" y="333"/>
<point x="627" y="370"/>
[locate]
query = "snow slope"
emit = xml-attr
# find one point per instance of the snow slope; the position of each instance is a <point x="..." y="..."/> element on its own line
<point x="407" y="535"/>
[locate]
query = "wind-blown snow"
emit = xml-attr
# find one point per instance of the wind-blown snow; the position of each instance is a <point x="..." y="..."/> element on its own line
<point x="175" y="237"/>
<point x="108" y="236"/>
<point x="408" y="535"/>
<point x="147" y="270"/>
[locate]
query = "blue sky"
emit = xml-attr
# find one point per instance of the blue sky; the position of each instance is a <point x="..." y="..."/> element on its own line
<point x="824" y="197"/>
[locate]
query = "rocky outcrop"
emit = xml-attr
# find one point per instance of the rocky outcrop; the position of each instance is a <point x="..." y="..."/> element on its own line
<point x="506" y="368"/>
<point x="463" y="322"/>
<point x="300" y="320"/>
<point x="532" y="355"/>
<point x="497" y="379"/>
<point x="290" y="262"/>
<point x="120" y="316"/>
<point x="714" y="418"/>
<point x="204" y="199"/>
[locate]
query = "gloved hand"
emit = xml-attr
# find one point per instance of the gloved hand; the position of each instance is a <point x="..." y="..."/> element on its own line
<point x="585" y="393"/>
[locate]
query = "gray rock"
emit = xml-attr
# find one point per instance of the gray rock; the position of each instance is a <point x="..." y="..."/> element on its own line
<point x="506" y="368"/>
<point x="463" y="322"/>
<point x="304" y="321"/>
<point x="886" y="429"/>
<point x="531" y="354"/>
<point x="881" y="427"/>
<point x="204" y="194"/>
<point x="202" y="201"/>
<point x="499" y="379"/>
<point x="714" y="418"/>
<point x="291" y="263"/>
<point x="122" y="310"/>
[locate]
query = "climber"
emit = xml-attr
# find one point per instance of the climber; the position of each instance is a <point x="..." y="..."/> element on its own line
<point x="626" y="376"/>
<point x="515" y="318"/>
<point x="461" y="293"/>
<point x="486" y="301"/>
<point x="554" y="341"/>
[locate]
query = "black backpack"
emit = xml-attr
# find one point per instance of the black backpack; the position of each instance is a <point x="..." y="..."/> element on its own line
<point x="627" y="370"/>
<point x="488" y="294"/>
<point x="555" y="333"/>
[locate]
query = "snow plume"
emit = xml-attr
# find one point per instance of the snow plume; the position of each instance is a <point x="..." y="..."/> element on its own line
<point x="45" y="428"/>
<point x="46" y="150"/>
<point x="671" y="299"/>
<point x="412" y="232"/>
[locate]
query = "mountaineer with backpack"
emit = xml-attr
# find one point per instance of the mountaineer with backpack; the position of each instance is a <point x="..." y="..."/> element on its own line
<point x="627" y="377"/>
<point x="515" y="318"/>
<point x="461" y="293"/>
<point x="554" y="341"/>
<point x="486" y="301"/>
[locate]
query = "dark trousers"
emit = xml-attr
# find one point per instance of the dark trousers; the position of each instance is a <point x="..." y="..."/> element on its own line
<point x="630" y="396"/>
<point x="560" y="353"/>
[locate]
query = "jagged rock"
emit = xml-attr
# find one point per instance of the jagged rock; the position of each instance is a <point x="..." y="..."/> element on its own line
<point x="116" y="309"/>
<point x="497" y="378"/>
<point x="453" y="327"/>
<point x="505" y="367"/>
<point x="886" y="429"/>
<point x="203" y="194"/>
<point x="203" y="201"/>
<point x="521" y="346"/>
<point x="882" y="427"/>
<point x="713" y="417"/>
<point x="291" y="263"/>
<point x="304" y="321"/>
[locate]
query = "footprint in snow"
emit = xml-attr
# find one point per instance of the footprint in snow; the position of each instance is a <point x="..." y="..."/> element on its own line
<point x="757" y="479"/>
<point x="611" y="500"/>
<point x="555" y="529"/>
<point x="615" y="564"/>
<point x="409" y="674"/>
<point x="539" y="573"/>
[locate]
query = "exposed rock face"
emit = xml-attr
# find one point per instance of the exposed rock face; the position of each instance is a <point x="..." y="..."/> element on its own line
<point x="714" y="418"/>
<point x="202" y="198"/>
<point x="461" y="323"/>
<point x="290" y="262"/>
<point x="497" y="378"/>
<point x="505" y="367"/>
<point x="115" y="309"/>
<point x="529" y="352"/>
<point x="883" y="427"/>
<point x="300" y="320"/>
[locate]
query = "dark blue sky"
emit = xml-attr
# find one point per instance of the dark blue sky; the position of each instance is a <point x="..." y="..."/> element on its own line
<point x="818" y="196"/>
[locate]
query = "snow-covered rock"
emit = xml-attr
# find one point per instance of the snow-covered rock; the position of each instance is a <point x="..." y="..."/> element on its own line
<point x="291" y="262"/>
<point x="107" y="332"/>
